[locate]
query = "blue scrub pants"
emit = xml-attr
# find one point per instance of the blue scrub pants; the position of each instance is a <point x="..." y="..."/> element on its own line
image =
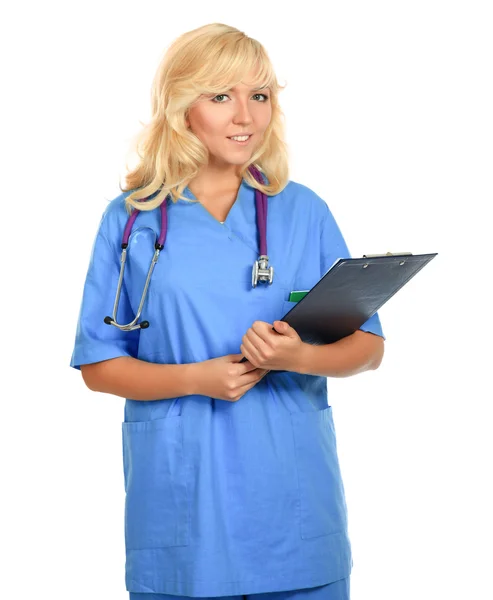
<point x="336" y="590"/>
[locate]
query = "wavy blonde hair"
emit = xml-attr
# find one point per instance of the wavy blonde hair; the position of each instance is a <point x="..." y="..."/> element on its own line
<point x="209" y="60"/>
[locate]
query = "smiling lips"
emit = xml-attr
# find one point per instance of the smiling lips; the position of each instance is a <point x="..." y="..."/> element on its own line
<point x="241" y="139"/>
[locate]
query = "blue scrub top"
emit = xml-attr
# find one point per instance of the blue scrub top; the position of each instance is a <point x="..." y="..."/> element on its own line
<point x="222" y="498"/>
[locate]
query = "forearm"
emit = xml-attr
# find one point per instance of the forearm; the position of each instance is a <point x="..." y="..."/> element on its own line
<point x="358" y="352"/>
<point x="139" y="380"/>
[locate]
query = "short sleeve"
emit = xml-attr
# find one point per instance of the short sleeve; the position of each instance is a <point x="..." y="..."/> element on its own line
<point x="333" y="246"/>
<point x="94" y="339"/>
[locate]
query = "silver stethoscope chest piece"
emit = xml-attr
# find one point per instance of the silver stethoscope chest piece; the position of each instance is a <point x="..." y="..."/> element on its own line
<point x="261" y="271"/>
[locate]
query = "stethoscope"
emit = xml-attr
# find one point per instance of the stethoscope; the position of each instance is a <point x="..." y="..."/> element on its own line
<point x="261" y="271"/>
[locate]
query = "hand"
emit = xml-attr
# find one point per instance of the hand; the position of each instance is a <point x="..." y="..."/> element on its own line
<point x="225" y="378"/>
<point x="272" y="350"/>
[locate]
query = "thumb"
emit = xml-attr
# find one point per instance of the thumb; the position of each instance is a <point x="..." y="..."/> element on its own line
<point x="282" y="327"/>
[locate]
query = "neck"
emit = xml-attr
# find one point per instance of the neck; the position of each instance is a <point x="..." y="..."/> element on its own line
<point x="213" y="181"/>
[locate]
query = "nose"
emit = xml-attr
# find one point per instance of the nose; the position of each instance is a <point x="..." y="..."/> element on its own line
<point x="242" y="112"/>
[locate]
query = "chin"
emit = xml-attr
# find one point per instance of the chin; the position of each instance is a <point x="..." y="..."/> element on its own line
<point x="236" y="161"/>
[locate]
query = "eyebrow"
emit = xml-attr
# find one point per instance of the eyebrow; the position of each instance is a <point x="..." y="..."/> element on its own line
<point x="255" y="89"/>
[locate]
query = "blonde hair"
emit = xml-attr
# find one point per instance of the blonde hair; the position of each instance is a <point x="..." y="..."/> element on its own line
<point x="209" y="60"/>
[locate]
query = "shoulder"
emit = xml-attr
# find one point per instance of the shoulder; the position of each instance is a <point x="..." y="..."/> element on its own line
<point x="114" y="216"/>
<point x="303" y="199"/>
<point x="115" y="207"/>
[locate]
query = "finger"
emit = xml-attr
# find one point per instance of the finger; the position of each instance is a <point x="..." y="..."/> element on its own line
<point x="259" y="345"/>
<point x="262" y="330"/>
<point x="243" y="367"/>
<point x="248" y="381"/>
<point x="246" y="367"/>
<point x="249" y="350"/>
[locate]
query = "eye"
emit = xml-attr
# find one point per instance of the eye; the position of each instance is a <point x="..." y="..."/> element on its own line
<point x="218" y="96"/>
<point x="266" y="97"/>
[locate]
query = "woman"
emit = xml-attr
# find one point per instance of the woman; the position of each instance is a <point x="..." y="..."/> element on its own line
<point x="232" y="480"/>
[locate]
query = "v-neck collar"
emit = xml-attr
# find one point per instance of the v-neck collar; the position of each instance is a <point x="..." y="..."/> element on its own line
<point x="187" y="192"/>
<point x="241" y="222"/>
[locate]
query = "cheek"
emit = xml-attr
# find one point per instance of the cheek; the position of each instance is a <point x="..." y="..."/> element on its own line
<point x="214" y="131"/>
<point x="264" y="120"/>
<point x="205" y="124"/>
<point x="208" y="135"/>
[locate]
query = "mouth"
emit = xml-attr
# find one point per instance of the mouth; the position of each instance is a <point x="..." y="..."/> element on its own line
<point x="243" y="141"/>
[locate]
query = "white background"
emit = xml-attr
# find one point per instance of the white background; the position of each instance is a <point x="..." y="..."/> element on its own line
<point x="389" y="119"/>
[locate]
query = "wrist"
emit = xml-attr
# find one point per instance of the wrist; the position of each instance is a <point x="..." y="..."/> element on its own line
<point x="191" y="378"/>
<point x="303" y="359"/>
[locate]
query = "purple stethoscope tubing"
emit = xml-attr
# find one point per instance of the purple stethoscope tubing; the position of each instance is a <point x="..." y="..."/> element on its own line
<point x="261" y="272"/>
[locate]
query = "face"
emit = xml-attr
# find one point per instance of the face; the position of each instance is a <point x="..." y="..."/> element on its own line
<point x="241" y="110"/>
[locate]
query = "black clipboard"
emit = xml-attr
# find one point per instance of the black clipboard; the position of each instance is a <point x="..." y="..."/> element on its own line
<point x="351" y="292"/>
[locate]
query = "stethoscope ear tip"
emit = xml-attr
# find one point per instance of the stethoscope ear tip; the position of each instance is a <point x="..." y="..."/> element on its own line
<point x="144" y="325"/>
<point x="108" y="320"/>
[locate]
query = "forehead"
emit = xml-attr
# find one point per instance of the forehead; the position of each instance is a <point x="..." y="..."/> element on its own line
<point x="251" y="80"/>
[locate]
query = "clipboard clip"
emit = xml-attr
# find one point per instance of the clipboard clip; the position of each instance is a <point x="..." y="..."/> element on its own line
<point x="388" y="254"/>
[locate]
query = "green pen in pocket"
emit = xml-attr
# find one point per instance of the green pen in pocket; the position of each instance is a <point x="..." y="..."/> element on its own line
<point x="296" y="296"/>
